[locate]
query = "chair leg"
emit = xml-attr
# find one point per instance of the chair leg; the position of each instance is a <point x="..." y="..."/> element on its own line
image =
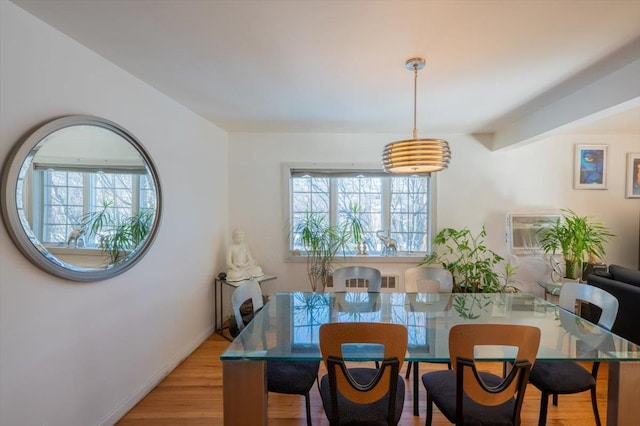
<point x="408" y="370"/>
<point x="308" y="405"/>
<point x="594" y="403"/>
<point x="429" y="410"/>
<point x="555" y="399"/>
<point x="416" y="389"/>
<point x="544" y="403"/>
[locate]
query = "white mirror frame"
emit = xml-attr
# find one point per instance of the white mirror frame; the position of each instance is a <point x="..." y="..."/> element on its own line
<point x="37" y="253"/>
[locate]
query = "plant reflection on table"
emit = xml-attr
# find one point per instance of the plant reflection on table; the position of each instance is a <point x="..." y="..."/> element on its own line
<point x="464" y="305"/>
<point x="310" y="310"/>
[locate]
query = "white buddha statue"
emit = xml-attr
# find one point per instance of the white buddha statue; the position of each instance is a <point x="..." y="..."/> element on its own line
<point x="241" y="264"/>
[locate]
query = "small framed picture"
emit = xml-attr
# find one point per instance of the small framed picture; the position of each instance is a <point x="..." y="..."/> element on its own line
<point x="590" y="167"/>
<point x="633" y="175"/>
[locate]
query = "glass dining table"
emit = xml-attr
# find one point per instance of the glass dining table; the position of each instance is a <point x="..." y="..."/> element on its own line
<point x="287" y="328"/>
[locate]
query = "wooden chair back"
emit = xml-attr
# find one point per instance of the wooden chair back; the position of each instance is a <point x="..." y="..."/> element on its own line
<point x="392" y="336"/>
<point x="463" y="339"/>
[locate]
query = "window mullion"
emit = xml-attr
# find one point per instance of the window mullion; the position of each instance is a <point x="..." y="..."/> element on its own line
<point x="386" y="206"/>
<point x="135" y="195"/>
<point x="38" y="207"/>
<point x="88" y="194"/>
<point x="333" y="201"/>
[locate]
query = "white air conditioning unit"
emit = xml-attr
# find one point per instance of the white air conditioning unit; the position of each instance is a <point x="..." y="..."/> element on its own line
<point x="524" y="231"/>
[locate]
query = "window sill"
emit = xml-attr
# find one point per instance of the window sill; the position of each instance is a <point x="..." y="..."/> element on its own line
<point x="75" y="250"/>
<point x="364" y="259"/>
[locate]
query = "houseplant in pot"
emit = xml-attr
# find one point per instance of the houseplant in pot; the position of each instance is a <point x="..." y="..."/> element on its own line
<point x="473" y="265"/>
<point x="322" y="242"/>
<point x="118" y="236"/>
<point x="576" y="238"/>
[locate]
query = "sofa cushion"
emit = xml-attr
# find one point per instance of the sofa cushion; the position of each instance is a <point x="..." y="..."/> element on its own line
<point x="626" y="275"/>
<point x="628" y="296"/>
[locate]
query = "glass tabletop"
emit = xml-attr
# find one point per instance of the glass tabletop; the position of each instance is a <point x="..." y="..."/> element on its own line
<point x="287" y="328"/>
<point x="551" y="287"/>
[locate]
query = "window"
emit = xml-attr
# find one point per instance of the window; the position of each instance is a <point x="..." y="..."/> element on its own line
<point x="67" y="195"/>
<point x="397" y="206"/>
<point x="62" y="204"/>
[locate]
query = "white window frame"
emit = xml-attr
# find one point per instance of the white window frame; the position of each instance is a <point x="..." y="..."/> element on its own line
<point x="36" y="200"/>
<point x="371" y="258"/>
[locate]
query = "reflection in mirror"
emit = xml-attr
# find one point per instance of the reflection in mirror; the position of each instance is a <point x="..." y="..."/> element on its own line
<point x="85" y="196"/>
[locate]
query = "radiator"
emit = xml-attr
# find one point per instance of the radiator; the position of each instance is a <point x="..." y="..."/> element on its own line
<point x="389" y="282"/>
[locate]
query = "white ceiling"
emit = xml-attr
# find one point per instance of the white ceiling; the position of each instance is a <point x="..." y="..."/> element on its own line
<point x="338" y="66"/>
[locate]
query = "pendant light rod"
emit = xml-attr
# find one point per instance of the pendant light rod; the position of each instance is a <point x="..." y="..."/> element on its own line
<point x="415" y="102"/>
<point x="415" y="64"/>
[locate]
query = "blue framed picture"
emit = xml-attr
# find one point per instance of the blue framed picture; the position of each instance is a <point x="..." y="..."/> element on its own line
<point x="633" y="175"/>
<point x="590" y="167"/>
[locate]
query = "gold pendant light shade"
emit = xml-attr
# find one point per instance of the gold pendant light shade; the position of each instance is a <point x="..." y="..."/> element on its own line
<point x="414" y="156"/>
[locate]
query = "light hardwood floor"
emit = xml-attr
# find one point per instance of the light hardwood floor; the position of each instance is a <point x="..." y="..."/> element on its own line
<point x="192" y="395"/>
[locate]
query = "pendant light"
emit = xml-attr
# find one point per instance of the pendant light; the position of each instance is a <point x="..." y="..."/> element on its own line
<point x="416" y="156"/>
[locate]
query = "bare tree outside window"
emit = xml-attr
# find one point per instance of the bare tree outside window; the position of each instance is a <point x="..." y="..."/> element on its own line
<point x="398" y="205"/>
<point x="69" y="196"/>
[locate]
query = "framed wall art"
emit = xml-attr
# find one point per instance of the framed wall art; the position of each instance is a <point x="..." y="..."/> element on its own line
<point x="590" y="167"/>
<point x="633" y="175"/>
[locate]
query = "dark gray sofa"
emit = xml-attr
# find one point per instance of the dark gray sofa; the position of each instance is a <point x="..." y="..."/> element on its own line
<point x="624" y="284"/>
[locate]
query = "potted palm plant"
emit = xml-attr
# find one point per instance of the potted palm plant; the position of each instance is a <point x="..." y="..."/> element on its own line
<point x="576" y="238"/>
<point x="322" y="242"/>
<point x="118" y="236"/>
<point x="355" y="227"/>
<point x="472" y="264"/>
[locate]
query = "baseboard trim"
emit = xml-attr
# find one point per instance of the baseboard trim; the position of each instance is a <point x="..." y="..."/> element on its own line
<point x="153" y="381"/>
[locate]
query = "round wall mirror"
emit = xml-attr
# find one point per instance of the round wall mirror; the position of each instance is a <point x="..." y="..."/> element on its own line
<point x="81" y="198"/>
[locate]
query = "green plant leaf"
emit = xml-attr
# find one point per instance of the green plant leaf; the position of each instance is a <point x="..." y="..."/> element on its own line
<point x="471" y="262"/>
<point x="576" y="238"/>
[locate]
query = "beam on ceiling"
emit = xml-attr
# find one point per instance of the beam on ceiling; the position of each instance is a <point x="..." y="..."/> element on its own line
<point x="614" y="92"/>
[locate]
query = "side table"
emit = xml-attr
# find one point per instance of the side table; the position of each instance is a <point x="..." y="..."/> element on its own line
<point x="218" y="300"/>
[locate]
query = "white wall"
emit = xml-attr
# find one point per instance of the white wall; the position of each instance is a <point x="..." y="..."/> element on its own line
<point x="479" y="188"/>
<point x="83" y="353"/>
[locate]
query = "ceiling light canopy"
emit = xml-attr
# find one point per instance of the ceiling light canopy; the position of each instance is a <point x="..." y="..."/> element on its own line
<point x="417" y="155"/>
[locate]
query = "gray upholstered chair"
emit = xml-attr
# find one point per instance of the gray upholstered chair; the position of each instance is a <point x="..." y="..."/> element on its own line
<point x="371" y="276"/>
<point x="567" y="377"/>
<point x="288" y="377"/>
